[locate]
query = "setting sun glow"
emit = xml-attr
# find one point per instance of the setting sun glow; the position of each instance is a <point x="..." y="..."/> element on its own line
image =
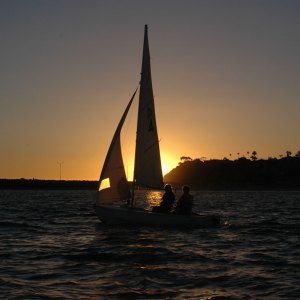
<point x="168" y="163"/>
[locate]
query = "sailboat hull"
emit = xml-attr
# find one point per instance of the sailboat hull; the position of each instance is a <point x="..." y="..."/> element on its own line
<point x="117" y="215"/>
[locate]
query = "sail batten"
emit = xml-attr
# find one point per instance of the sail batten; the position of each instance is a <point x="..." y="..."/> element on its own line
<point x="147" y="167"/>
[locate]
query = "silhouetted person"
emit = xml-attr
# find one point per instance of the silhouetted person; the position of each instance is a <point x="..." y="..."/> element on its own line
<point x="167" y="202"/>
<point x="185" y="203"/>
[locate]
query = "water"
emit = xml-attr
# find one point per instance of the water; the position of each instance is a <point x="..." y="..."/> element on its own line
<point x="52" y="246"/>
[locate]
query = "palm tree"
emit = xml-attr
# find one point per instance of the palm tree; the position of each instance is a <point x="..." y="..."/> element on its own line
<point x="254" y="155"/>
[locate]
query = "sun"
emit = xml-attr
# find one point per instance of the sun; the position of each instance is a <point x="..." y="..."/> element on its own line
<point x="168" y="163"/>
<point x="166" y="168"/>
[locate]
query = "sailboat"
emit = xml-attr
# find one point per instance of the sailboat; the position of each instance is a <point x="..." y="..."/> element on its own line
<point x="115" y="202"/>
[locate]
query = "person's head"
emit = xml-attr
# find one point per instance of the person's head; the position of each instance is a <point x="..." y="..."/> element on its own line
<point x="168" y="188"/>
<point x="186" y="189"/>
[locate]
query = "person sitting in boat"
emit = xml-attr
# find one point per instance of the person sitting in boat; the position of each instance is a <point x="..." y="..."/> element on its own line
<point x="167" y="202"/>
<point x="185" y="203"/>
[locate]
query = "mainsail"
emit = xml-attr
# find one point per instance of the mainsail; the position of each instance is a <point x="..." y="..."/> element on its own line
<point x="147" y="166"/>
<point x="113" y="184"/>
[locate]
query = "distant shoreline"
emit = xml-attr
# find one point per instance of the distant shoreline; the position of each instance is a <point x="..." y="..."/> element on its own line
<point x="242" y="174"/>
<point x="40" y="184"/>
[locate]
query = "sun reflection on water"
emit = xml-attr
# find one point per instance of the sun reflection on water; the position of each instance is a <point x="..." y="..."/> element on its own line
<point x="147" y="198"/>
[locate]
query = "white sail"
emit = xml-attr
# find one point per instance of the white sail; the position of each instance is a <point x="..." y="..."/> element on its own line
<point x="147" y="167"/>
<point x="113" y="184"/>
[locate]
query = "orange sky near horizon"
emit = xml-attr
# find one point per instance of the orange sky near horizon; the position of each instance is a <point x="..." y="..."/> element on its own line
<point x="225" y="79"/>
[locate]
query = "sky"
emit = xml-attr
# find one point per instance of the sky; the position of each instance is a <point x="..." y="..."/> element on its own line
<point x="225" y="78"/>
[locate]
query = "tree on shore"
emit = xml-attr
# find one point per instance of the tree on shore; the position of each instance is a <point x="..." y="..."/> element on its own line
<point x="254" y="155"/>
<point x="185" y="158"/>
<point x="288" y="153"/>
